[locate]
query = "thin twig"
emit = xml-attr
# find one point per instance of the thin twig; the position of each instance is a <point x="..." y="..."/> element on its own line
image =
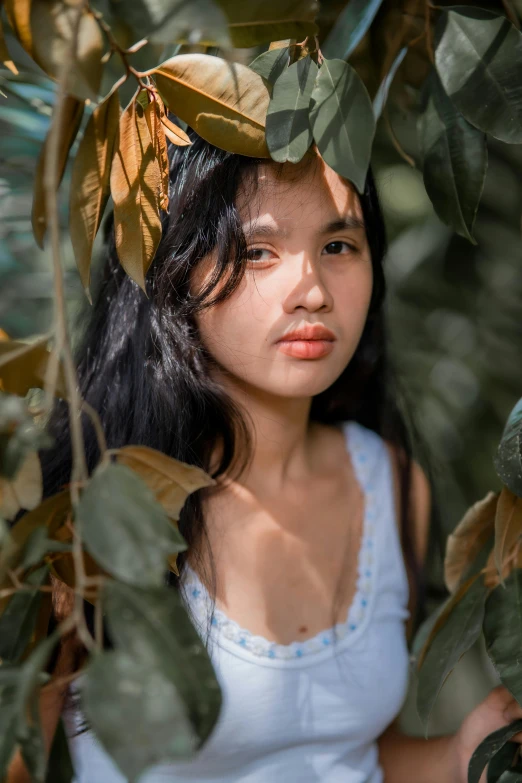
<point x="396" y="143"/>
<point x="96" y="423"/>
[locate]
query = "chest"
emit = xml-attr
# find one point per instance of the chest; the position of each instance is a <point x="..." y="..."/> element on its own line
<point x="286" y="567"/>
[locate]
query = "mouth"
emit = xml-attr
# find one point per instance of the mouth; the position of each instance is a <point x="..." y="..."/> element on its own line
<point x="306" y="349"/>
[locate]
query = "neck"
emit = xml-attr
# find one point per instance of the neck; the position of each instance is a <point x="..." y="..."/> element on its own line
<point x="282" y="437"/>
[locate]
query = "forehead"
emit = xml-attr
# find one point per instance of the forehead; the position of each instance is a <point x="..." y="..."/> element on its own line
<point x="302" y="194"/>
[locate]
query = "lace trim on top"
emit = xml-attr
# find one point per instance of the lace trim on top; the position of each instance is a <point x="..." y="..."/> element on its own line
<point x="198" y="598"/>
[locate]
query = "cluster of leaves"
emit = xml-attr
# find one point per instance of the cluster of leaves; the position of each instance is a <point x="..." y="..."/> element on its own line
<point x="292" y="96"/>
<point x="483" y="573"/>
<point x="126" y="521"/>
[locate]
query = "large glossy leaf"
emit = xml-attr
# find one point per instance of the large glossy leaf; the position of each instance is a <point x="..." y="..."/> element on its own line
<point x="90" y="181"/>
<point x="224" y="102"/>
<point x="170" y="21"/>
<point x="71" y="117"/>
<point x="257" y="21"/>
<point x="168" y="642"/>
<point x="352" y="24"/>
<point x="160" y="673"/>
<point x="125" y="529"/>
<point x="170" y="480"/>
<point x="508" y="527"/>
<point x="490" y="746"/>
<point x="469" y="537"/>
<point x="502" y="761"/>
<point x="479" y="60"/>
<point x="342" y="120"/>
<point x="56" y="25"/>
<point x="270" y="65"/>
<point x="288" y="131"/>
<point x="503" y="631"/>
<point x="455" y="160"/>
<point x="460" y="631"/>
<point x="18" y="619"/>
<point x="508" y="459"/>
<point x="117" y="686"/>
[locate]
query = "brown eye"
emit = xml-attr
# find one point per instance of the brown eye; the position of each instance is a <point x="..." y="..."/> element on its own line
<point x="255" y="254"/>
<point x="337" y="248"/>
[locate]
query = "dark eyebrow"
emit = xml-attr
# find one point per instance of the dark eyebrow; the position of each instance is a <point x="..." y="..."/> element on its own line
<point x="347" y="223"/>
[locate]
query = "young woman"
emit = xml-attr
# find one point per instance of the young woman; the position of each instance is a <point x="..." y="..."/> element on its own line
<point x="260" y="355"/>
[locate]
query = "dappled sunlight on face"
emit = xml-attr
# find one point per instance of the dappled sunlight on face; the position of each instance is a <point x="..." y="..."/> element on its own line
<point x="309" y="263"/>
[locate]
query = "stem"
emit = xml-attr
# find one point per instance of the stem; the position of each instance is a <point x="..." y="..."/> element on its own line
<point x="79" y="473"/>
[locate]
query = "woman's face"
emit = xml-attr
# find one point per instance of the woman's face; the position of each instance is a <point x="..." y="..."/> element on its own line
<point x="309" y="263"/>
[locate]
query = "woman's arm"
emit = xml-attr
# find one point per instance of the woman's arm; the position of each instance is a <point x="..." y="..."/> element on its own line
<point x="407" y="759"/>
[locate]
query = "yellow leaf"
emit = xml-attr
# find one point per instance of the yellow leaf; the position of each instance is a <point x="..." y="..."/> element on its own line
<point x="90" y="181"/>
<point x="55" y="23"/>
<point x="468" y="538"/>
<point x="174" y="133"/>
<point x="169" y="479"/>
<point x="24" y="491"/>
<point x="4" y="52"/>
<point x="225" y="103"/>
<point x="23" y="367"/>
<point x="71" y="119"/>
<point x="508" y="527"/>
<point x="19" y="16"/>
<point x="135" y="186"/>
<point x="157" y="134"/>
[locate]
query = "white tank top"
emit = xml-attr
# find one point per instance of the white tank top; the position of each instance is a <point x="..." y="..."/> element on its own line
<point x="310" y="711"/>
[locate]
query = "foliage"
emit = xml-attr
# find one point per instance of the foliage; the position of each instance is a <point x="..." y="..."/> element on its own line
<point x="483" y="572"/>
<point x="111" y="536"/>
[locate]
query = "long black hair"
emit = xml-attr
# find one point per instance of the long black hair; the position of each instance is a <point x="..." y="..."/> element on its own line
<point x="142" y="365"/>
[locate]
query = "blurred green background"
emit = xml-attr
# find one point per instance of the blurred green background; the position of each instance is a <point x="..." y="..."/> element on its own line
<point x="455" y="315"/>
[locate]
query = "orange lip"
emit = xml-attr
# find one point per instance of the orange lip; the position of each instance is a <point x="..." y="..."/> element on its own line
<point x="309" y="332"/>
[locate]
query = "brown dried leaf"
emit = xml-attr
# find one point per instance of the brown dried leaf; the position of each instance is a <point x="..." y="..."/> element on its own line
<point x="174" y="133"/>
<point x="23" y="367"/>
<point x="56" y="23"/>
<point x="169" y="479"/>
<point x="5" y="57"/>
<point x="19" y="16"/>
<point x="157" y="133"/>
<point x="508" y="527"/>
<point x="225" y="103"/>
<point x="468" y="538"/>
<point x="135" y="185"/>
<point x="24" y="491"/>
<point x="90" y="181"/>
<point x="71" y="118"/>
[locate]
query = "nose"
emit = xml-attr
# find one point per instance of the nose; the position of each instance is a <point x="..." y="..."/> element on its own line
<point x="306" y="286"/>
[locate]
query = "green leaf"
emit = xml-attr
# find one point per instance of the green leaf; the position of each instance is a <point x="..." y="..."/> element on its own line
<point x="503" y="631"/>
<point x="501" y="761"/>
<point x="288" y="132"/>
<point x="118" y="685"/>
<point x="19" y="617"/>
<point x="508" y="459"/>
<point x="7" y="728"/>
<point x="270" y="65"/>
<point x="381" y="95"/>
<point x="489" y="747"/>
<point x="160" y="673"/>
<point x="170" y="21"/>
<point x="479" y="60"/>
<point x="59" y="767"/>
<point x="342" y="120"/>
<point x="455" y="159"/>
<point x="460" y="631"/>
<point x="153" y="625"/>
<point x="39" y="545"/>
<point x="125" y="529"/>
<point x="258" y="21"/>
<point x="351" y="26"/>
